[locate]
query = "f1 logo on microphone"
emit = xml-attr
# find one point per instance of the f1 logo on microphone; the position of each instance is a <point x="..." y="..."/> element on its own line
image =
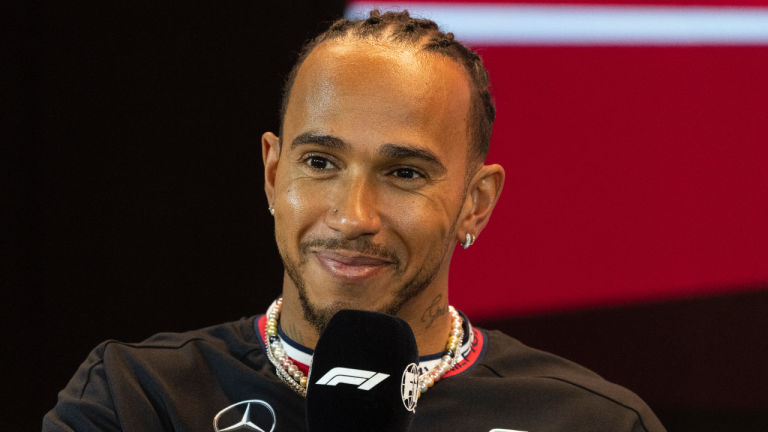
<point x="364" y="380"/>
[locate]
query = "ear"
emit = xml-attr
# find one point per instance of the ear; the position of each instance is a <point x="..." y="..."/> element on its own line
<point x="270" y="153"/>
<point x="482" y="194"/>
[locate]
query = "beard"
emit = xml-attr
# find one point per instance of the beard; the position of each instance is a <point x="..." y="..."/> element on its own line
<point x="319" y="316"/>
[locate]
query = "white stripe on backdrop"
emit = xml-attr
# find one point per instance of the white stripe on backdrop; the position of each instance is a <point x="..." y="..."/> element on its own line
<point x="528" y="24"/>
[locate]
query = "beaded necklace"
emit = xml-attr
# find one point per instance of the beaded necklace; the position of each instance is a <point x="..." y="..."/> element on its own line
<point x="291" y="375"/>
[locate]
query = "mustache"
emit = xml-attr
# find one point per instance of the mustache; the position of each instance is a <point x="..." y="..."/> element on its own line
<point x="363" y="245"/>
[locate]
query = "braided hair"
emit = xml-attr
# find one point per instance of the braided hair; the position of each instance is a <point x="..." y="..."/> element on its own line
<point x="401" y="28"/>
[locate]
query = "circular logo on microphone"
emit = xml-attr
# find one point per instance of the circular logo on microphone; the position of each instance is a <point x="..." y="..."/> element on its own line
<point x="409" y="387"/>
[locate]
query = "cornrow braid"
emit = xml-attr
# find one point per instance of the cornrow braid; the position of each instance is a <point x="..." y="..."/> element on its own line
<point x="401" y="28"/>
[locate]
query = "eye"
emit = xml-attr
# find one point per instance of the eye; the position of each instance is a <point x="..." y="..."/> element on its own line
<point x="407" y="173"/>
<point x="318" y="162"/>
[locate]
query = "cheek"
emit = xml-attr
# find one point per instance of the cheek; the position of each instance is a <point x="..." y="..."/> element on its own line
<point x="420" y="222"/>
<point x="297" y="208"/>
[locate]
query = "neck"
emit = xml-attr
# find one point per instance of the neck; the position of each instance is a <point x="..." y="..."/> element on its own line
<point x="427" y="314"/>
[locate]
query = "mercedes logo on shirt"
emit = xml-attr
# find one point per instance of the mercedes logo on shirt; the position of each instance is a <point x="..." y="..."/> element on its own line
<point x="254" y="418"/>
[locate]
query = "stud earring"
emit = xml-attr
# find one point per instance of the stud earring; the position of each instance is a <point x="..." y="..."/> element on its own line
<point x="272" y="209"/>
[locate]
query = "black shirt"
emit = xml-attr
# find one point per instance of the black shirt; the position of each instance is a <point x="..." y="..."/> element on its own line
<point x="183" y="381"/>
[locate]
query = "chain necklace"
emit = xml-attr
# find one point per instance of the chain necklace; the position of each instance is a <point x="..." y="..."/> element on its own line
<point x="291" y="375"/>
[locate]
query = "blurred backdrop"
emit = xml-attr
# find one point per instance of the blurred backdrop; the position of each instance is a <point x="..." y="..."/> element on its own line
<point x="631" y="235"/>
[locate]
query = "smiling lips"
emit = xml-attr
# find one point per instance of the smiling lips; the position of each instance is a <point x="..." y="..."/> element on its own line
<point x="351" y="268"/>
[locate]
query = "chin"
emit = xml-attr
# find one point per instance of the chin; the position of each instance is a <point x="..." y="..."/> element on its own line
<point x="318" y="307"/>
<point x="338" y="296"/>
<point x="319" y="313"/>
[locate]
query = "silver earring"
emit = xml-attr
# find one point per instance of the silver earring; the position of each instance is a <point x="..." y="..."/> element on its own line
<point x="470" y="240"/>
<point x="335" y="210"/>
<point x="272" y="209"/>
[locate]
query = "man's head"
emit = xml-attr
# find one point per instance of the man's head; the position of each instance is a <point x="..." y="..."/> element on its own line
<point x="377" y="173"/>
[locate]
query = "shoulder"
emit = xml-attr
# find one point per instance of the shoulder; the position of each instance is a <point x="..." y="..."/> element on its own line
<point x="232" y="335"/>
<point x="121" y="385"/>
<point x="170" y="355"/>
<point x="576" y="386"/>
<point x="509" y="357"/>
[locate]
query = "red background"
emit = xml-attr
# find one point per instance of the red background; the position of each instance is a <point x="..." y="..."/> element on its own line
<point x="633" y="174"/>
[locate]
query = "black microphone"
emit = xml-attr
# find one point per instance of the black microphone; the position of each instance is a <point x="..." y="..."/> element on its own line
<point x="364" y="375"/>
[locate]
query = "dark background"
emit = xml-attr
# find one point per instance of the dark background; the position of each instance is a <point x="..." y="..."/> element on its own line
<point x="133" y="203"/>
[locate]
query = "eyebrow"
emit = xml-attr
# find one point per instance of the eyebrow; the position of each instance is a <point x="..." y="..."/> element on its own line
<point x="328" y="141"/>
<point x="399" y="151"/>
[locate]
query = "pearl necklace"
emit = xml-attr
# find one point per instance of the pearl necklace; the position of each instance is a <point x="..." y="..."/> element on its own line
<point x="291" y="375"/>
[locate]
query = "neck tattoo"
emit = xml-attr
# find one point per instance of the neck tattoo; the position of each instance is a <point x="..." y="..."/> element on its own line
<point x="291" y="375"/>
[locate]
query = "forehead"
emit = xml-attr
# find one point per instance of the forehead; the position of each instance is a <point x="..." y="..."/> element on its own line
<point x="376" y="93"/>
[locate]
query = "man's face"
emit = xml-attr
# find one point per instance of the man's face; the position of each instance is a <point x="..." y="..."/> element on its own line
<point x="371" y="176"/>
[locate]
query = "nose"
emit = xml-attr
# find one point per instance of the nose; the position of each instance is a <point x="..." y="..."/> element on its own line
<point x="354" y="210"/>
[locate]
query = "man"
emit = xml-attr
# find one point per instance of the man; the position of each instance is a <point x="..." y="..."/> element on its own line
<point x="377" y="174"/>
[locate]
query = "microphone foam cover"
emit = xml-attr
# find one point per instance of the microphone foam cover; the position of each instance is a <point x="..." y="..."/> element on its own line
<point x="364" y="374"/>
